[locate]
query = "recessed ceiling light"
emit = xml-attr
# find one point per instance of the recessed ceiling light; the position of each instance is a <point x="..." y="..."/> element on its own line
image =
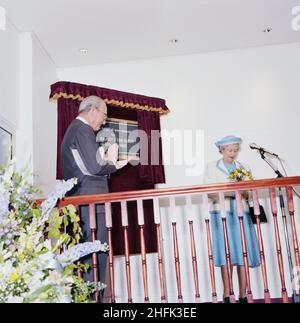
<point x="174" y="40"/>
<point x="83" y="51"/>
<point x="267" y="30"/>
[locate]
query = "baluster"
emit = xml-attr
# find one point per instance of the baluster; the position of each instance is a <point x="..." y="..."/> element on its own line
<point x="226" y="243"/>
<point x="79" y="273"/>
<point x="287" y="241"/>
<point x="176" y="251"/>
<point x="278" y="245"/>
<point x="159" y="249"/>
<point x="108" y="217"/>
<point x="209" y="248"/>
<point x="244" y="246"/>
<point x="141" y="223"/>
<point x="294" y="232"/>
<point x="127" y="254"/>
<point x="193" y="249"/>
<point x="93" y="227"/>
<point x="261" y="246"/>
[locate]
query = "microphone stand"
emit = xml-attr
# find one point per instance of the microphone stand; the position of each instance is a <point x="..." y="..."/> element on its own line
<point x="296" y="297"/>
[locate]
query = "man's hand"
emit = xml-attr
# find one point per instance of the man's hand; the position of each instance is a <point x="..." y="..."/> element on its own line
<point x="121" y="163"/>
<point x="112" y="153"/>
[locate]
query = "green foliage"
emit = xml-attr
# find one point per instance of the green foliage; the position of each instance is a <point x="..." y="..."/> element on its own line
<point x="32" y="237"/>
<point x="64" y="223"/>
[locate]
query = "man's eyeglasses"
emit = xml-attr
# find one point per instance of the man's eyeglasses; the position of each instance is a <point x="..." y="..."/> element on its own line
<point x="105" y="114"/>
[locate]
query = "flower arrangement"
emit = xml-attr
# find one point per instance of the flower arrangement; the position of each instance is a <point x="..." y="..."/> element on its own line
<point x="240" y="174"/>
<point x="32" y="267"/>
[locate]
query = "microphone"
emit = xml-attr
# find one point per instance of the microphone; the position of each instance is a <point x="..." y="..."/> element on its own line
<point x="262" y="150"/>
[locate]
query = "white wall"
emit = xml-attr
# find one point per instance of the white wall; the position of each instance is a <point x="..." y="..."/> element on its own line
<point x="44" y="119"/>
<point x="253" y="93"/>
<point x="24" y="133"/>
<point x="26" y="75"/>
<point x="16" y="91"/>
<point x="9" y="77"/>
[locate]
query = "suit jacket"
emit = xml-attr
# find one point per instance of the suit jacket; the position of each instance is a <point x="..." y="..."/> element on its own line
<point x="81" y="158"/>
<point x="216" y="172"/>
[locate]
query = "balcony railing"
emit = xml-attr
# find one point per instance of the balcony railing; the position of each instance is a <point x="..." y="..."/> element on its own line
<point x="184" y="262"/>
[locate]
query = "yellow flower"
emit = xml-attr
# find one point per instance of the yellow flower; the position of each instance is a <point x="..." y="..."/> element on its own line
<point x="21" y="256"/>
<point x="29" y="244"/>
<point x="43" y="296"/>
<point x="14" y="277"/>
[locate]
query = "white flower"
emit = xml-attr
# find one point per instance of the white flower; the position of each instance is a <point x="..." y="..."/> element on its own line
<point x="47" y="244"/>
<point x="61" y="189"/>
<point x="29" y="264"/>
<point x="69" y="280"/>
<point x="4" y="203"/>
<point x="79" y="251"/>
<point x="47" y="261"/>
<point x="6" y="270"/>
<point x="55" y="277"/>
<point x="35" y="282"/>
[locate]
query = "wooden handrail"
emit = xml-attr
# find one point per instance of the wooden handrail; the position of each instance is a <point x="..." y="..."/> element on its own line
<point x="218" y="188"/>
<point x="164" y="192"/>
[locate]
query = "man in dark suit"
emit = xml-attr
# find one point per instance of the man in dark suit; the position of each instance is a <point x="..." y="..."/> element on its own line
<point x="83" y="158"/>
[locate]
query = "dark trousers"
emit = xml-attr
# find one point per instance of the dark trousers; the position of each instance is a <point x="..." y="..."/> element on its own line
<point x="101" y="234"/>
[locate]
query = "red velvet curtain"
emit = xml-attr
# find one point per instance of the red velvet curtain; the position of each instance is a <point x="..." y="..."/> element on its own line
<point x="115" y="98"/>
<point x="67" y="111"/>
<point x="152" y="171"/>
<point x="130" y="177"/>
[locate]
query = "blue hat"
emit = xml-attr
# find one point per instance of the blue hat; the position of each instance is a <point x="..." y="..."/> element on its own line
<point x="228" y="140"/>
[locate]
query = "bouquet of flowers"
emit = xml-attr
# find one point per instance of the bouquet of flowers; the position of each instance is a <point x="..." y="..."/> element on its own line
<point x="240" y="174"/>
<point x="32" y="267"/>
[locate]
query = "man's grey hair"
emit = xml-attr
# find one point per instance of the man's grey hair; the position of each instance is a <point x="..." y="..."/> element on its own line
<point x="91" y="102"/>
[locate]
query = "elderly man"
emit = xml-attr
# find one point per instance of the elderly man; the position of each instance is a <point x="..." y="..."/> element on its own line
<point x="83" y="158"/>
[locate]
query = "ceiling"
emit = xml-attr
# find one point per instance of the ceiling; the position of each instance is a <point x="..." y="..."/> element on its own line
<point x="120" y="30"/>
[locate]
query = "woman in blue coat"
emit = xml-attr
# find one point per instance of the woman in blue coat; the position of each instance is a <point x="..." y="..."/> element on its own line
<point x="221" y="171"/>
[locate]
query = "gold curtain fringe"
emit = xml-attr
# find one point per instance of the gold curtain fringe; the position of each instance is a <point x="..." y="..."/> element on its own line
<point x="122" y="104"/>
